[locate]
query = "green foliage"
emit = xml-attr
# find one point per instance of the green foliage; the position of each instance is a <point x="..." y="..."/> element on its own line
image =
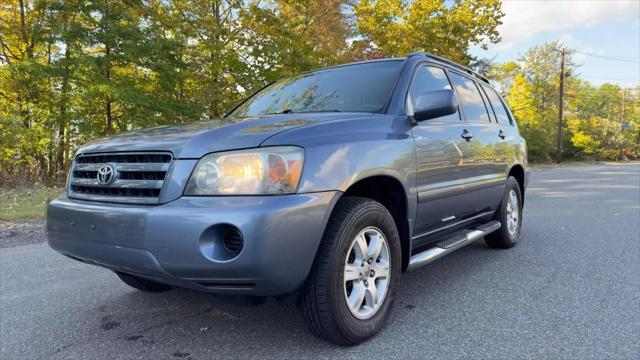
<point x="72" y="70"/>
<point x="593" y="116"/>
<point x="397" y="27"/>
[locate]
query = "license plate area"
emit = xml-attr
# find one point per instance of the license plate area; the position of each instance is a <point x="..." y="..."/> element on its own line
<point x="113" y="226"/>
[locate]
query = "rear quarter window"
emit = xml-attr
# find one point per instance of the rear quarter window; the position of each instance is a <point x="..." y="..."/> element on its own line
<point x="498" y="106"/>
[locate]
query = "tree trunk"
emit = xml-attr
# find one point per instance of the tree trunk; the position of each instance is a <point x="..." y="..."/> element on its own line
<point x="23" y="29"/>
<point x="108" y="118"/>
<point x="215" y="55"/>
<point x="107" y="105"/>
<point x="62" y="119"/>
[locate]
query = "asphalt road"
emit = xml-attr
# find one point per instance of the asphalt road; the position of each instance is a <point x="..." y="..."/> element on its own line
<point x="570" y="289"/>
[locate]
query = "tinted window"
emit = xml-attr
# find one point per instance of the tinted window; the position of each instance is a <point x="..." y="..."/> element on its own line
<point x="492" y="115"/>
<point x="470" y="99"/>
<point x="360" y="88"/>
<point x="429" y="78"/>
<point x="498" y="106"/>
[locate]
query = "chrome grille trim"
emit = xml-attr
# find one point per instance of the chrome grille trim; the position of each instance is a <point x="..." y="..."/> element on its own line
<point x="126" y="167"/>
<point x="131" y="184"/>
<point x="139" y="177"/>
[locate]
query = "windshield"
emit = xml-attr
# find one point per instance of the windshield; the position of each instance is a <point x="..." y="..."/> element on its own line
<point x="364" y="87"/>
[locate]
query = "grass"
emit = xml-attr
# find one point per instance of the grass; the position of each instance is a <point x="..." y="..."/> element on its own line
<point x="25" y="203"/>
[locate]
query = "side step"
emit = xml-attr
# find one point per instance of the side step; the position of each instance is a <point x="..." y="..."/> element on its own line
<point x="453" y="243"/>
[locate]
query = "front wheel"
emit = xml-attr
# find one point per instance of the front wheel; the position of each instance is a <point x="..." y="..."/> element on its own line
<point x="352" y="284"/>
<point x="510" y="216"/>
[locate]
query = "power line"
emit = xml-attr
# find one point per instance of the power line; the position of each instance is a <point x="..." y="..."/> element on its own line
<point x="599" y="98"/>
<point x="609" y="78"/>
<point x="609" y="92"/>
<point x="613" y="58"/>
<point x="543" y="100"/>
<point x="615" y="90"/>
<point x="576" y="97"/>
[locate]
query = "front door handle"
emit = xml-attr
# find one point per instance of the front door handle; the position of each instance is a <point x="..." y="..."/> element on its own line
<point x="501" y="135"/>
<point x="466" y="134"/>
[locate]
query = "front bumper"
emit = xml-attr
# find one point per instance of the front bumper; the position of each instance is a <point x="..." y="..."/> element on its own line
<point x="173" y="243"/>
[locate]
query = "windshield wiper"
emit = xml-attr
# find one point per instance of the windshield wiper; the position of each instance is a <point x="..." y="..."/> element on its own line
<point x="319" y="111"/>
<point x="289" y="111"/>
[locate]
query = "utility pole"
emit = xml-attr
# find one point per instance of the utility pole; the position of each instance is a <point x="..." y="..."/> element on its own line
<point x="560" y="109"/>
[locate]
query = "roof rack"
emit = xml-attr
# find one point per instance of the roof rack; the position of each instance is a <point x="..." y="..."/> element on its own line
<point x="450" y="63"/>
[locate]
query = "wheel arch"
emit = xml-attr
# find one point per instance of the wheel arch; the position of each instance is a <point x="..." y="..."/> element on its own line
<point x="517" y="171"/>
<point x="390" y="192"/>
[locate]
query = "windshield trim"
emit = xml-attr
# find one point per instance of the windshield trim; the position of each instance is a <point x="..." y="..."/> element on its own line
<point x="382" y="111"/>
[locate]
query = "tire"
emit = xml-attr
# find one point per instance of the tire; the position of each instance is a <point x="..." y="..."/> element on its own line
<point x="324" y="297"/>
<point x="507" y="236"/>
<point x="143" y="284"/>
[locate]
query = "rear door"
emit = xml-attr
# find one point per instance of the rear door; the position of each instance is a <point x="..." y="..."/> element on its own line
<point x="508" y="143"/>
<point x="440" y="157"/>
<point x="485" y="176"/>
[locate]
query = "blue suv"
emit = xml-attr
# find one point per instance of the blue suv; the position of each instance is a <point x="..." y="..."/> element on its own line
<point x="322" y="187"/>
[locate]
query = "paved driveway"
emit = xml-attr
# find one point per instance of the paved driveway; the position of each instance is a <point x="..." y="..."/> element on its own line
<point x="570" y="289"/>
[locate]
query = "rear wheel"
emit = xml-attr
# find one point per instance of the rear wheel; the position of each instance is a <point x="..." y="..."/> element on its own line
<point x="352" y="284"/>
<point x="143" y="284"/>
<point x="510" y="216"/>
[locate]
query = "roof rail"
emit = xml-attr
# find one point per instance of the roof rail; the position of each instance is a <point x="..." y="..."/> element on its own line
<point x="450" y="63"/>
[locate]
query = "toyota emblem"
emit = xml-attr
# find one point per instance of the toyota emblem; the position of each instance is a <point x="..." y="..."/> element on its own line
<point x="106" y="174"/>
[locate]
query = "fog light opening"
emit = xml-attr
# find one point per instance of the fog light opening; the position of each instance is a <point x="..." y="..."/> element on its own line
<point x="232" y="240"/>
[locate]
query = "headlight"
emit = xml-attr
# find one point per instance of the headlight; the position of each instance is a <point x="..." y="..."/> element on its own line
<point x="269" y="170"/>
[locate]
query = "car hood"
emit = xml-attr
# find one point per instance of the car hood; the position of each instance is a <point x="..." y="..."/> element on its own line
<point x="197" y="139"/>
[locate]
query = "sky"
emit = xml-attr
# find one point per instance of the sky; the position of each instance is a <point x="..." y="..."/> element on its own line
<point x="597" y="30"/>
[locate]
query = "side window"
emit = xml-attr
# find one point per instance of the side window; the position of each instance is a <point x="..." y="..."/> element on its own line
<point x="483" y="92"/>
<point x="473" y="107"/>
<point x="498" y="106"/>
<point x="429" y="78"/>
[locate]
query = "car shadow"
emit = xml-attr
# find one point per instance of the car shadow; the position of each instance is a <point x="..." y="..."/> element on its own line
<point x="194" y="320"/>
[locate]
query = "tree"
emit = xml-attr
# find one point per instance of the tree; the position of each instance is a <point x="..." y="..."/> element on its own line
<point x="601" y="122"/>
<point x="534" y="127"/>
<point x="72" y="70"/>
<point x="291" y="36"/>
<point x="390" y="28"/>
<point x="25" y="101"/>
<point x="535" y="74"/>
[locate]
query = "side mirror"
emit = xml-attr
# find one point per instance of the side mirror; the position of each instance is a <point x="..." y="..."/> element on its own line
<point x="433" y="104"/>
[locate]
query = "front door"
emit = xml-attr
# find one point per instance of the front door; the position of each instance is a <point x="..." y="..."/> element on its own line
<point x="440" y="158"/>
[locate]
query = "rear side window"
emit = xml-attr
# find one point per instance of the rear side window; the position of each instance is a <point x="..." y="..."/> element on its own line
<point x="473" y="107"/>
<point x="498" y="106"/>
<point x="430" y="78"/>
<point x="483" y="92"/>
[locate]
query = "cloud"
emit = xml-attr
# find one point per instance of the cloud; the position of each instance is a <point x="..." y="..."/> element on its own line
<point x="525" y="19"/>
<point x="569" y="40"/>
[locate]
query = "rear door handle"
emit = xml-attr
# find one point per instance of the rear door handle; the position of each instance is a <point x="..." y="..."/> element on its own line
<point x="466" y="134"/>
<point x="501" y="135"/>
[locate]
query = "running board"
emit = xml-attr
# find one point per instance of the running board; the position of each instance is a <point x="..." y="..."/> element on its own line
<point x="455" y="242"/>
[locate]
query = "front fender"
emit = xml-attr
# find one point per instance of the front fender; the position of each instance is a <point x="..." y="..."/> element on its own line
<point x="340" y="153"/>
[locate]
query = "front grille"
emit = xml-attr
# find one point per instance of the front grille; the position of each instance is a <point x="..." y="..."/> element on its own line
<point x="134" y="177"/>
